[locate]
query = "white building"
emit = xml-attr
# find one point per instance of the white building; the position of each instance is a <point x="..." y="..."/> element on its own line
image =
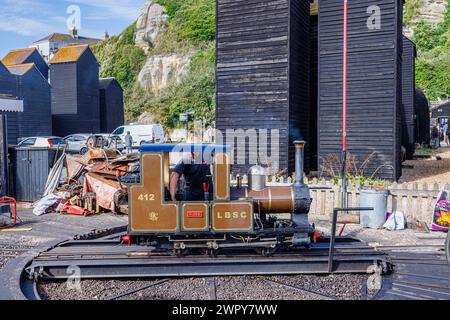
<point x="49" y="45"/>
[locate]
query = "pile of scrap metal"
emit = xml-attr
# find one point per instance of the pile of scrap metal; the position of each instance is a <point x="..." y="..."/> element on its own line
<point x="90" y="184"/>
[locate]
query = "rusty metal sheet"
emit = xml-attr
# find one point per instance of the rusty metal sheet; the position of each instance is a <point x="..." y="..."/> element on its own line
<point x="103" y="188"/>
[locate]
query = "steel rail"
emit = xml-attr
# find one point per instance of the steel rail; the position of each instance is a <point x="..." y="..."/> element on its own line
<point x="303" y="290"/>
<point x="195" y="267"/>
<point x="213" y="289"/>
<point x="130" y="292"/>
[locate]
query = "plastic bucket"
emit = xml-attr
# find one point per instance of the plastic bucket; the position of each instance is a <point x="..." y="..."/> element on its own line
<point x="377" y="199"/>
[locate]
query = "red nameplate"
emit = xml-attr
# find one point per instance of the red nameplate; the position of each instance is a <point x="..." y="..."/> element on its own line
<point x="195" y="214"/>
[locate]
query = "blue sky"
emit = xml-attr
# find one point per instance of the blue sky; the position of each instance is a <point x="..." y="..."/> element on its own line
<point x="25" y="21"/>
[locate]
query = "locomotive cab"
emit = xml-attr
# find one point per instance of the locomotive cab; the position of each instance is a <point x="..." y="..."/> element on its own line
<point x="232" y="217"/>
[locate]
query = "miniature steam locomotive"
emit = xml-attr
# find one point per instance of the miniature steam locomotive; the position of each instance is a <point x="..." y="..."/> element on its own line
<point x="251" y="217"/>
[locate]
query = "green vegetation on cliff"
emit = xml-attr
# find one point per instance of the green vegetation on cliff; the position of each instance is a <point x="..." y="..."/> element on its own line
<point x="433" y="63"/>
<point x="191" y="29"/>
<point x="120" y="58"/>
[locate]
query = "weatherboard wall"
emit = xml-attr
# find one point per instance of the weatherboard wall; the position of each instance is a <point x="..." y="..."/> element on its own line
<point x="374" y="84"/>
<point x="36" y="118"/>
<point x="262" y="75"/>
<point x="112" y="113"/>
<point x="39" y="61"/>
<point x="75" y="96"/>
<point x="423" y="120"/>
<point x="408" y="96"/>
<point x="9" y="86"/>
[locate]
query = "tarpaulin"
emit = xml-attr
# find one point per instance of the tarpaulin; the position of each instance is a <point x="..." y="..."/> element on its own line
<point x="104" y="189"/>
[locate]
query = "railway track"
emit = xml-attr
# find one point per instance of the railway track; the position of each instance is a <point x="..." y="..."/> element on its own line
<point x="108" y="259"/>
<point x="418" y="274"/>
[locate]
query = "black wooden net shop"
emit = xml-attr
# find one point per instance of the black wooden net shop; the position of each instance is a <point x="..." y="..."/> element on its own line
<point x="422" y="121"/>
<point x="262" y="74"/>
<point x="408" y="96"/>
<point x="34" y="90"/>
<point x="112" y="113"/>
<point x="374" y="82"/>
<point x="74" y="77"/>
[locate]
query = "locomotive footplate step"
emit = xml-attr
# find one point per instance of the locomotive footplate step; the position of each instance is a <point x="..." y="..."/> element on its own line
<point x="111" y="261"/>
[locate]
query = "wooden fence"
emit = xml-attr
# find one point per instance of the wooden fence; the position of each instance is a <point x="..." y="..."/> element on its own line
<point x="415" y="200"/>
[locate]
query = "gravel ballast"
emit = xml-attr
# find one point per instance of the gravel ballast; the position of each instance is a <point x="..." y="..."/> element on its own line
<point x="304" y="287"/>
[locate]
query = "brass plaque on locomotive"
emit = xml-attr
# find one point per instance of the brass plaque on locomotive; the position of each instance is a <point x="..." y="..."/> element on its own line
<point x="148" y="211"/>
<point x="232" y="216"/>
<point x="195" y="217"/>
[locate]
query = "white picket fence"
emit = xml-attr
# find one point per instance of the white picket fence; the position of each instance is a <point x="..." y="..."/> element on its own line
<point x="415" y="200"/>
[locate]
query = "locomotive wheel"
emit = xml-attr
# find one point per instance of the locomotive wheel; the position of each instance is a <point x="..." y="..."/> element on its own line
<point x="212" y="253"/>
<point x="181" y="252"/>
<point x="266" y="252"/>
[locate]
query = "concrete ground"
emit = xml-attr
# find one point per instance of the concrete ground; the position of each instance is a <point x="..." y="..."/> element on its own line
<point x="407" y="237"/>
<point x="429" y="170"/>
<point x="54" y="227"/>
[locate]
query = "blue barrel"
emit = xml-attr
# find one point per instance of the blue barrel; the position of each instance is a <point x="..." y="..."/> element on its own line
<point x="377" y="199"/>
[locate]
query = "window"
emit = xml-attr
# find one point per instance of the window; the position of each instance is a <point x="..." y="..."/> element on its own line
<point x="28" y="142"/>
<point x="119" y="131"/>
<point x="79" y="139"/>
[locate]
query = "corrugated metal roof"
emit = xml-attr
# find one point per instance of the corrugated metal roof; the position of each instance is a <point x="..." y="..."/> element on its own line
<point x="21" y="69"/>
<point x="17" y="56"/>
<point x="69" y="54"/>
<point x="10" y="103"/>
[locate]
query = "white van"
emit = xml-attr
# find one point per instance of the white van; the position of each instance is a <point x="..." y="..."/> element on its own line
<point x="142" y="134"/>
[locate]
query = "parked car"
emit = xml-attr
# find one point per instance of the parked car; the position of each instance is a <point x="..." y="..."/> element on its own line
<point x="80" y="143"/>
<point x="141" y="134"/>
<point x="77" y="143"/>
<point x="113" y="142"/>
<point x="42" y="142"/>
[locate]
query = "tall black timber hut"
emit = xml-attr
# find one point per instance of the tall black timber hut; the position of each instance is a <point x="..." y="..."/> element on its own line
<point x="374" y="82"/>
<point x="9" y="87"/>
<point x="423" y="120"/>
<point x="34" y="90"/>
<point x="262" y="74"/>
<point x="408" y="96"/>
<point x="24" y="56"/>
<point x="74" y="77"/>
<point x="112" y="113"/>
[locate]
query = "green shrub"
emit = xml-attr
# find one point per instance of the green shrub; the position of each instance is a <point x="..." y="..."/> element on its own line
<point x="433" y="63"/>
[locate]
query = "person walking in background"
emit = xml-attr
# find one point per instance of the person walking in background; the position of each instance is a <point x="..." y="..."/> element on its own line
<point x="447" y="133"/>
<point x="435" y="139"/>
<point x="129" y="142"/>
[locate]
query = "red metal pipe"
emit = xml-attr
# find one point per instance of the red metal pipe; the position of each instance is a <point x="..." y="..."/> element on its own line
<point x="8" y="200"/>
<point x="344" y="82"/>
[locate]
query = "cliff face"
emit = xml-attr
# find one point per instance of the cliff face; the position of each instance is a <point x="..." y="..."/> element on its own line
<point x="429" y="11"/>
<point x="165" y="61"/>
<point x="161" y="70"/>
<point x="151" y="24"/>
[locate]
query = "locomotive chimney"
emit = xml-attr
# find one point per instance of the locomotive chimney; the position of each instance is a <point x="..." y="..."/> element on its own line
<point x="299" y="162"/>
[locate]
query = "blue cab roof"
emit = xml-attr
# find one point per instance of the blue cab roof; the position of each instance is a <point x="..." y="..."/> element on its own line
<point x="184" y="148"/>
